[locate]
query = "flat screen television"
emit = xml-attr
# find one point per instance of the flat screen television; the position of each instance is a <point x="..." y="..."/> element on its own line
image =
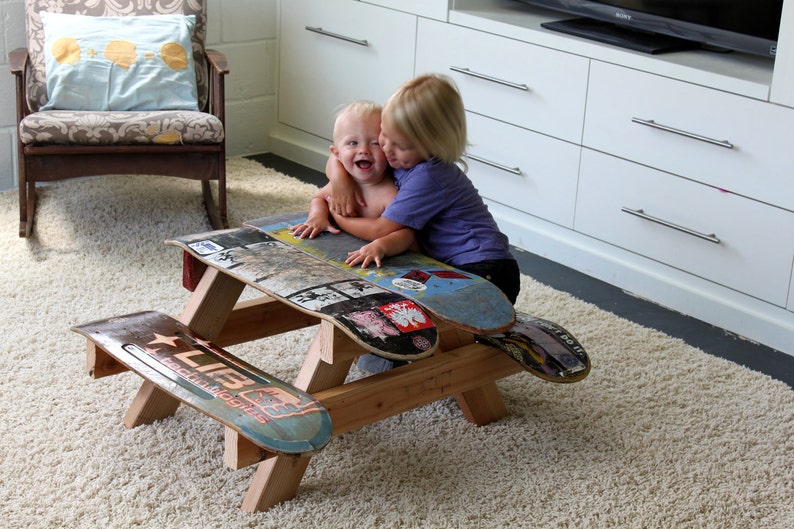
<point x="659" y="26"/>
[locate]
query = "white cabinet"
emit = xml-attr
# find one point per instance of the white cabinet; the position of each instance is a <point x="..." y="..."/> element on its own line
<point x="529" y="86"/>
<point x="522" y="169"/>
<point x="712" y="234"/>
<point x="525" y="109"/>
<point x="738" y="146"/>
<point x="735" y="143"/>
<point x="669" y="176"/>
<point x="336" y="51"/>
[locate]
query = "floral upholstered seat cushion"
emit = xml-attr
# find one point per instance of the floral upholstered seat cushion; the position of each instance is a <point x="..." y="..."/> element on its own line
<point x="134" y="128"/>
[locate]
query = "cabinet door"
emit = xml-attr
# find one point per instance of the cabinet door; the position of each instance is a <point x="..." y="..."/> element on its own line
<point x="727" y="141"/>
<point x="731" y="240"/>
<point x="529" y="86"/>
<point x="525" y="170"/>
<point x="790" y="305"/>
<point x="336" y="51"/>
<point x="782" y="91"/>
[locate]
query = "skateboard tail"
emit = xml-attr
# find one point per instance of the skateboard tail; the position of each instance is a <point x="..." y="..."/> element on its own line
<point x="543" y="348"/>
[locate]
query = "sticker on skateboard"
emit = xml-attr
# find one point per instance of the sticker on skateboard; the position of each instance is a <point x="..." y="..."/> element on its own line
<point x="464" y="300"/>
<point x="543" y="348"/>
<point x="383" y="322"/>
<point x="271" y="413"/>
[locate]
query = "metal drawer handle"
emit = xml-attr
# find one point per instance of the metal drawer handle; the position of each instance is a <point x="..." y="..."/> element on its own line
<point x="653" y="124"/>
<point x="321" y="31"/>
<point x="640" y="213"/>
<point x="466" y="71"/>
<point x="512" y="170"/>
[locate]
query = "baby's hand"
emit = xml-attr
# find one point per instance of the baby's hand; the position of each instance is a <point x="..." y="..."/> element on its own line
<point x="312" y="228"/>
<point x="345" y="205"/>
<point x="366" y="255"/>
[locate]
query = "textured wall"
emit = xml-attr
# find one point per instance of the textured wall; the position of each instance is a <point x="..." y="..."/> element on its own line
<point x="245" y="30"/>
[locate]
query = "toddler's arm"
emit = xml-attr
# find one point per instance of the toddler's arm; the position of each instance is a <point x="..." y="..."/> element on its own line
<point x="345" y="193"/>
<point x="365" y="228"/>
<point x="392" y="244"/>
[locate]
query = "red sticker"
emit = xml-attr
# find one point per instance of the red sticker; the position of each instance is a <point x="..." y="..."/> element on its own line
<point x="407" y="316"/>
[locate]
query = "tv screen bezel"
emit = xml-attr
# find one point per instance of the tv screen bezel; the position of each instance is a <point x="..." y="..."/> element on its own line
<point x="648" y="22"/>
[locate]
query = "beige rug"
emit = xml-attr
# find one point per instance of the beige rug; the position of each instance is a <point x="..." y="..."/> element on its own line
<point x="660" y="435"/>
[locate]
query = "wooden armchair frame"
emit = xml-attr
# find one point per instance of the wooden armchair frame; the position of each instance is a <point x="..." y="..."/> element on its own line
<point x="50" y="162"/>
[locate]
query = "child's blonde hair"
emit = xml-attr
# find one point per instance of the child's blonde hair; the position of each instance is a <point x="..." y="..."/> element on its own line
<point x="428" y="110"/>
<point x="360" y="108"/>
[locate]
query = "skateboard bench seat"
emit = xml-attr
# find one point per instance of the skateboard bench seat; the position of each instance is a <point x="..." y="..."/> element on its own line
<point x="263" y="416"/>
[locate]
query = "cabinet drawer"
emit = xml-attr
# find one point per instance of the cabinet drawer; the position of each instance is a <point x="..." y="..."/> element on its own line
<point x="519" y="83"/>
<point x="527" y="171"/>
<point x="355" y="58"/>
<point x="437" y="9"/>
<point x="754" y="251"/>
<point x="751" y="153"/>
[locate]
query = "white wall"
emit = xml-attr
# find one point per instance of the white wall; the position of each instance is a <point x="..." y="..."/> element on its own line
<point x="245" y="30"/>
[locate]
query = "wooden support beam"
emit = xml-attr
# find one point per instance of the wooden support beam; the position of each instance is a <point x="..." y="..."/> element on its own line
<point x="470" y="370"/>
<point x="149" y="405"/>
<point x="259" y="318"/>
<point x="99" y="364"/>
<point x="211" y="303"/>
<point x="483" y="405"/>
<point x="239" y="452"/>
<point x="328" y="360"/>
<point x="276" y="480"/>
<point x="326" y="365"/>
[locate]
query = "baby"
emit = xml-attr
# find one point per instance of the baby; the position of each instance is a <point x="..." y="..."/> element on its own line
<point x="356" y="148"/>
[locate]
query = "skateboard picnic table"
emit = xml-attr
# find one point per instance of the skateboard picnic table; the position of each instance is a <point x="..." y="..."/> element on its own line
<point x="460" y="367"/>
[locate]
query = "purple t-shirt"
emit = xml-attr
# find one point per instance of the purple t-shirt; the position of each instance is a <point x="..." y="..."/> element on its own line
<point x="451" y="221"/>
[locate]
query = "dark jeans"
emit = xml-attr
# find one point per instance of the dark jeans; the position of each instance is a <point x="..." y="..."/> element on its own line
<point x="503" y="273"/>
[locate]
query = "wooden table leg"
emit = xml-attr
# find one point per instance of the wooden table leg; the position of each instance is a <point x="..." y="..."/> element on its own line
<point x="327" y="364"/>
<point x="276" y="480"/>
<point x="328" y="361"/>
<point x="206" y="312"/>
<point x="149" y="405"/>
<point x="211" y="303"/>
<point x="99" y="364"/>
<point x="480" y="405"/>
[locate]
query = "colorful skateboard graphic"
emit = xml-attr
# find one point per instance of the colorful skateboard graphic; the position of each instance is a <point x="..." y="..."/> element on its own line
<point x="381" y="321"/>
<point x="544" y="348"/>
<point x="271" y="413"/>
<point x="464" y="300"/>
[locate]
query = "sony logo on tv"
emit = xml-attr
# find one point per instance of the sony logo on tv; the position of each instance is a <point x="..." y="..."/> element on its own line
<point x="622" y="15"/>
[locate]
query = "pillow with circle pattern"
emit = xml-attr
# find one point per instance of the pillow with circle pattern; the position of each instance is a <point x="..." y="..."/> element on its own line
<point x="119" y="63"/>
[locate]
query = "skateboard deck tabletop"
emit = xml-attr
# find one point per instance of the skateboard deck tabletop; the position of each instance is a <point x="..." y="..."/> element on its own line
<point x="381" y="321"/>
<point x="271" y="413"/>
<point x="464" y="300"/>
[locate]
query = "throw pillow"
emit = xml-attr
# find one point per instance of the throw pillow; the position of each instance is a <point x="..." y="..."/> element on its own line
<point x="119" y="63"/>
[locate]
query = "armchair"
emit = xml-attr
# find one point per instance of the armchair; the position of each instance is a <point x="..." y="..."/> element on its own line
<point x="109" y="139"/>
